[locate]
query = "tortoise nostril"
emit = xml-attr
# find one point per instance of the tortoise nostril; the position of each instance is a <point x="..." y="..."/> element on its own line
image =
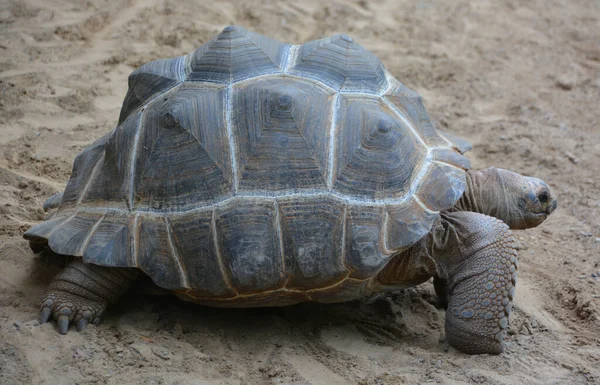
<point x="551" y="207"/>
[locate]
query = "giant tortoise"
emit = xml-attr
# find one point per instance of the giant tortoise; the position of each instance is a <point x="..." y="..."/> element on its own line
<point x="256" y="173"/>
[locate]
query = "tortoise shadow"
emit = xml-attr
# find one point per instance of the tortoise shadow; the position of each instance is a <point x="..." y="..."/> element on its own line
<point x="393" y="319"/>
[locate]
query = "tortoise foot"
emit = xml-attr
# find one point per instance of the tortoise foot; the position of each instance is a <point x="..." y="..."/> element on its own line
<point x="81" y="292"/>
<point x="68" y="308"/>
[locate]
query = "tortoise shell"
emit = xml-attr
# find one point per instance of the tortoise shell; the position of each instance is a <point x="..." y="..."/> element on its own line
<point x="255" y="172"/>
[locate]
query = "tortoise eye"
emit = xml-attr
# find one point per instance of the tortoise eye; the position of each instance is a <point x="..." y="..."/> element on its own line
<point x="543" y="197"/>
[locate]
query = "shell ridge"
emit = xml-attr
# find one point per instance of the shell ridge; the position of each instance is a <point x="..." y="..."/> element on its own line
<point x="252" y="36"/>
<point x="206" y="47"/>
<point x="342" y="65"/>
<point x="149" y="79"/>
<point x="227" y="44"/>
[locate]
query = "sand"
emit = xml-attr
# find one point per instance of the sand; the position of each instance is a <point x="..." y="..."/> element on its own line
<point x="521" y="80"/>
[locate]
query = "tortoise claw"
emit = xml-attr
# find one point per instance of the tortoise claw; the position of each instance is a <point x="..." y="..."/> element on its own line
<point x="45" y="315"/>
<point x="63" y="324"/>
<point x="82" y="324"/>
<point x="96" y="321"/>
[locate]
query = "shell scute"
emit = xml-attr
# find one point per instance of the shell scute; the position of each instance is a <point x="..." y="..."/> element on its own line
<point x="313" y="235"/>
<point x="406" y="224"/>
<point x="377" y="155"/>
<point x="366" y="254"/>
<point x="83" y="166"/>
<point x="111" y="243"/>
<point x="156" y="255"/>
<point x="183" y="157"/>
<point x="111" y="182"/>
<point x="249" y="245"/>
<point x="342" y="64"/>
<point x="410" y="106"/>
<point x="278" y="123"/>
<point x="193" y="238"/>
<point x="39" y="233"/>
<point x="236" y="54"/>
<point x="71" y="237"/>
<point x="150" y="80"/>
<point x="441" y="186"/>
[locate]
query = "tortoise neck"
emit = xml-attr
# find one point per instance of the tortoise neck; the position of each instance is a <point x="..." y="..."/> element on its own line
<point x="484" y="194"/>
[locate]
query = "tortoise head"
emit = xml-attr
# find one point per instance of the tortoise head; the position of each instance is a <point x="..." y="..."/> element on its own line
<point x="533" y="200"/>
<point x="520" y="201"/>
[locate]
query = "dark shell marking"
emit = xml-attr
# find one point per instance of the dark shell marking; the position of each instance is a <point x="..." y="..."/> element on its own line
<point x="253" y="172"/>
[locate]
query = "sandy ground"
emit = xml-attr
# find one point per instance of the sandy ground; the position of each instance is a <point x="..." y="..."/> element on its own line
<point x="520" y="79"/>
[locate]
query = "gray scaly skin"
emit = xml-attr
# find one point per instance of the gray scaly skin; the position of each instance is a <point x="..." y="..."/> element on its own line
<point x="471" y="253"/>
<point x="81" y="292"/>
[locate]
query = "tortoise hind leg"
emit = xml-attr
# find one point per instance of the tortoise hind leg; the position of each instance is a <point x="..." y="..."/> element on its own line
<point x="81" y="292"/>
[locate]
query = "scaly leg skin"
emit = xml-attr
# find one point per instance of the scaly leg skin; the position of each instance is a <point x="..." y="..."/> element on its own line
<point x="479" y="257"/>
<point x="80" y="293"/>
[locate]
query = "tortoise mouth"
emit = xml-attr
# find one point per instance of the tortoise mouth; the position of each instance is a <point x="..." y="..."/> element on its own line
<point x="544" y="213"/>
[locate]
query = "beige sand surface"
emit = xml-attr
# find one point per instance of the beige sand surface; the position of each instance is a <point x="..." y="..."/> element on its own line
<point x="520" y="79"/>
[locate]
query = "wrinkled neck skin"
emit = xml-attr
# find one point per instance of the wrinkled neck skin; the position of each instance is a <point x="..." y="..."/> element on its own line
<point x="485" y="194"/>
<point x="520" y="201"/>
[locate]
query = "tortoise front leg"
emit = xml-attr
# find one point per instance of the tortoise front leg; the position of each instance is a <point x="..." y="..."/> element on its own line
<point x="477" y="266"/>
<point x="81" y="292"/>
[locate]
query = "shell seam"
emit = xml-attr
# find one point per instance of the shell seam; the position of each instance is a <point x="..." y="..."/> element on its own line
<point x="305" y="292"/>
<point x="221" y="203"/>
<point x="332" y="136"/>
<point x="231" y="139"/>
<point x="224" y="274"/>
<point x="279" y="232"/>
<point x="386" y="223"/>
<point x="175" y="254"/>
<point x="61" y="225"/>
<point x="262" y="50"/>
<point x="290" y="57"/>
<point x="87" y="240"/>
<point x="405" y="120"/>
<point x="389" y="83"/>
<point x="181" y="68"/>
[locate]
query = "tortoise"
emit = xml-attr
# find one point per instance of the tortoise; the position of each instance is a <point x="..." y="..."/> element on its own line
<point x="256" y="173"/>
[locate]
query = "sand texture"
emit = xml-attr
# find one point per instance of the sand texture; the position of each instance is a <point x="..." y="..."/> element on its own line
<point x="520" y="79"/>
